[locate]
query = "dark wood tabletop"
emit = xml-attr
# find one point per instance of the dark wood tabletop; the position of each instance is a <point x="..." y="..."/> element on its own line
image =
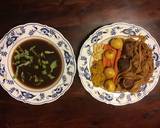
<point x="76" y="20"/>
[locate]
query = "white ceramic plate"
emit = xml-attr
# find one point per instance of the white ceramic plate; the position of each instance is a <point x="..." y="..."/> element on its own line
<point x="32" y="30"/>
<point x="84" y="63"/>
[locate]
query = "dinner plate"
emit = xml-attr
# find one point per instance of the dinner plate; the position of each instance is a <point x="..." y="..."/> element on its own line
<point x="84" y="63"/>
<point x="31" y="30"/>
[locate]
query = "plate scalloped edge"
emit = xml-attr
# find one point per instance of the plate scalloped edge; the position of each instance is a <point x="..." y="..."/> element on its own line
<point x="117" y="99"/>
<point x="56" y="91"/>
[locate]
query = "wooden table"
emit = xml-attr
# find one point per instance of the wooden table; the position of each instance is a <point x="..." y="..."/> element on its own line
<point x="76" y="19"/>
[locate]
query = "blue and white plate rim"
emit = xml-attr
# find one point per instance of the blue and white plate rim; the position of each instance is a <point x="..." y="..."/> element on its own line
<point x="84" y="82"/>
<point x="73" y="55"/>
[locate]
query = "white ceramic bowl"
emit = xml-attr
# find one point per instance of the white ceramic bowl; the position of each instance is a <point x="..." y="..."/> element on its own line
<point x="23" y="93"/>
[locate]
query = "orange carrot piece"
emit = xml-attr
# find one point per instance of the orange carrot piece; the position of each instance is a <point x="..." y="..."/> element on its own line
<point x="113" y="60"/>
<point x="107" y="46"/>
<point x="108" y="62"/>
<point x="118" y="55"/>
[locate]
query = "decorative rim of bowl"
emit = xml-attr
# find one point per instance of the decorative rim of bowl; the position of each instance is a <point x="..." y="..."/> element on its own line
<point x="31" y="30"/>
<point x="108" y="31"/>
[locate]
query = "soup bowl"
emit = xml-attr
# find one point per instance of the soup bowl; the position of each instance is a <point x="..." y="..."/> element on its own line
<point x="15" y="87"/>
<point x="10" y="62"/>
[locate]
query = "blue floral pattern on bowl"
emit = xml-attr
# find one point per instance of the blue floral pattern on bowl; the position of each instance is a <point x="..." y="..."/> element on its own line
<point x="85" y="59"/>
<point x="36" y="30"/>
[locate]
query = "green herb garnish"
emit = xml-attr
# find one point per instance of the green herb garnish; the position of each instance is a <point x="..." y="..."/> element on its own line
<point x="36" y="79"/>
<point x="44" y="62"/>
<point x="22" y="76"/>
<point x="44" y="72"/>
<point x="51" y="76"/>
<point x="33" y="47"/>
<point x="33" y="60"/>
<point x="30" y="78"/>
<point x="17" y="62"/>
<point x="21" y="65"/>
<point x="36" y="67"/>
<point x="53" y="65"/>
<point x="44" y="66"/>
<point x="42" y="54"/>
<point x="48" y="52"/>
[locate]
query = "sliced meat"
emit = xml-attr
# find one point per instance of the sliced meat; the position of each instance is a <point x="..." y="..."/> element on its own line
<point x="126" y="83"/>
<point x="123" y="64"/>
<point x="128" y="48"/>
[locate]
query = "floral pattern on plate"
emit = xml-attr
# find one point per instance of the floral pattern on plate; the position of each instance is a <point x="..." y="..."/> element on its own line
<point x="36" y="30"/>
<point x="103" y="33"/>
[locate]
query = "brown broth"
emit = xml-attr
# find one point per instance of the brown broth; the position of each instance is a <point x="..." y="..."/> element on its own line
<point x="30" y="72"/>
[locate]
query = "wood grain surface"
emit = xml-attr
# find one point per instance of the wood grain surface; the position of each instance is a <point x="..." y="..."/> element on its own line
<point x="76" y="20"/>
